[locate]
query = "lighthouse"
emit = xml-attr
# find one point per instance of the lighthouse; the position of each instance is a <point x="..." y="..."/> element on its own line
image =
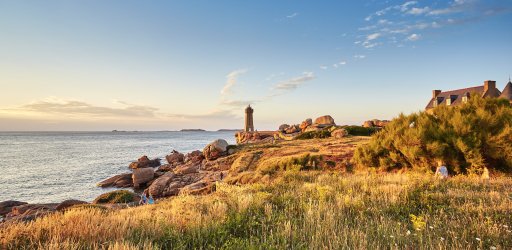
<point x="249" y="125"/>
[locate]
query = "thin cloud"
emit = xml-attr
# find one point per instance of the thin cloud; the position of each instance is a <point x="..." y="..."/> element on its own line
<point x="418" y="11"/>
<point x="231" y="80"/>
<point x="359" y="56"/>
<point x="413" y="37"/>
<point x="410" y="17"/>
<point x="80" y="108"/>
<point x="294" y="83"/>
<point x="293" y="15"/>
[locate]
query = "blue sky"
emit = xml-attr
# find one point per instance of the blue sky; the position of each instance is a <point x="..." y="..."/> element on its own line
<point x="102" y="65"/>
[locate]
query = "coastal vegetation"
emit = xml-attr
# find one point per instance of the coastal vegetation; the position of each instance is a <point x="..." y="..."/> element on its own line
<point x="355" y="192"/>
<point x="466" y="138"/>
<point x="292" y="194"/>
<point x="297" y="210"/>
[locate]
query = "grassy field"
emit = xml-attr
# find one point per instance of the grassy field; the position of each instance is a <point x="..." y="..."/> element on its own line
<point x="294" y="208"/>
<point x="299" y="210"/>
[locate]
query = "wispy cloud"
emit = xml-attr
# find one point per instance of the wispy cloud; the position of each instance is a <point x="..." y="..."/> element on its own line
<point x="293" y="15"/>
<point x="410" y="18"/>
<point x="294" y="83"/>
<point x="57" y="108"/>
<point x="359" y="56"/>
<point x="413" y="37"/>
<point x="418" y="11"/>
<point x="231" y="80"/>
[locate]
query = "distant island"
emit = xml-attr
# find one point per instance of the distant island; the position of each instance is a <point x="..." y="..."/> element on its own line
<point x="192" y="130"/>
<point x="228" y="130"/>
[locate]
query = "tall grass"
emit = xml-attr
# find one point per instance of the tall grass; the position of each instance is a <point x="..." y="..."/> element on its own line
<point x="298" y="210"/>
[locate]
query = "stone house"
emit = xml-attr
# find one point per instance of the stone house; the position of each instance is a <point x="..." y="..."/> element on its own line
<point x="460" y="96"/>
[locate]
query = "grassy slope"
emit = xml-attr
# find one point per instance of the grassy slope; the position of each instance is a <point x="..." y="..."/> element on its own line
<point x="294" y="209"/>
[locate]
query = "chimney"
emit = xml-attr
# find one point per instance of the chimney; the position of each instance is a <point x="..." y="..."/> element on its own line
<point x="489" y="85"/>
<point x="435" y="93"/>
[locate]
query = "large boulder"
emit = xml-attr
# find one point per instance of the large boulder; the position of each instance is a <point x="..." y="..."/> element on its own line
<point x="215" y="149"/>
<point x="118" y="196"/>
<point x="283" y="127"/>
<point x="293" y="129"/>
<point x="188" y="168"/>
<point x="120" y="181"/>
<point x="69" y="203"/>
<point x="194" y="156"/>
<point x="175" y="158"/>
<point x="29" y="209"/>
<point x="142" y="176"/>
<point x="29" y="212"/>
<point x="306" y="123"/>
<point x="198" y="188"/>
<point x="145" y="162"/>
<point x="368" y="124"/>
<point x="339" y="133"/>
<point x="166" y="185"/>
<point x="312" y="128"/>
<point x="166" y="168"/>
<point x="324" y="121"/>
<point x="6" y="206"/>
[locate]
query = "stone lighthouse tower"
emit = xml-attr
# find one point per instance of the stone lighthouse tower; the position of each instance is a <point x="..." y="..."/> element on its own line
<point x="249" y="125"/>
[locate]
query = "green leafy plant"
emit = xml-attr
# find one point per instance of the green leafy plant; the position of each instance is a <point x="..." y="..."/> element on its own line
<point x="467" y="138"/>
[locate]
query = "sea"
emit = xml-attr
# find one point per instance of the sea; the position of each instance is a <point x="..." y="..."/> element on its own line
<point x="49" y="167"/>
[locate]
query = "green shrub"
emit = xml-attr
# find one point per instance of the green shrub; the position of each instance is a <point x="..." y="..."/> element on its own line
<point x="360" y="131"/>
<point x="466" y="137"/>
<point x="314" y="134"/>
<point x="118" y="196"/>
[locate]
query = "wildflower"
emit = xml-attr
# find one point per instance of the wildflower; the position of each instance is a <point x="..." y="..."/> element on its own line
<point x="442" y="239"/>
<point x="493" y="248"/>
<point x="408" y="232"/>
<point x="478" y="239"/>
<point x="391" y="236"/>
<point x="431" y="227"/>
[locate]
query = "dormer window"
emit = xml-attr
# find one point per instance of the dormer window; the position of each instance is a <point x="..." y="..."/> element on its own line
<point x="465" y="98"/>
<point x="437" y="101"/>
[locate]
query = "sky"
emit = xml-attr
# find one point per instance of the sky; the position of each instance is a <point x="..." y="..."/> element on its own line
<point x="169" y="65"/>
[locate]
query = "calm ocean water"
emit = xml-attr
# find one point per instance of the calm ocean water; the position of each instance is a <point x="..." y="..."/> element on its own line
<point x="41" y="167"/>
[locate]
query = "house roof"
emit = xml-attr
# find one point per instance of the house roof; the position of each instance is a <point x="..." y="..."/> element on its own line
<point x="457" y="94"/>
<point x="507" y="91"/>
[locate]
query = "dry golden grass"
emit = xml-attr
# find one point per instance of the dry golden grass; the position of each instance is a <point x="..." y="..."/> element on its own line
<point x="295" y="210"/>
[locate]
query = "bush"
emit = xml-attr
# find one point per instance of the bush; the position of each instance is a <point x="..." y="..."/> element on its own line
<point x="360" y="131"/>
<point x="118" y="196"/>
<point x="314" y="134"/>
<point x="466" y="137"/>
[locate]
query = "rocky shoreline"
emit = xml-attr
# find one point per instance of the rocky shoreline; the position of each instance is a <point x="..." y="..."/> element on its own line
<point x="193" y="173"/>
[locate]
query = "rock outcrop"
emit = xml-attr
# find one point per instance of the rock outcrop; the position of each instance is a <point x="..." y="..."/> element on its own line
<point x="119" y="181"/>
<point x="305" y="124"/>
<point x="142" y="176"/>
<point x="215" y="149"/>
<point x="175" y="158"/>
<point x="194" y="156"/>
<point x="375" y="123"/>
<point x="339" y="133"/>
<point x="145" y="162"/>
<point x="69" y="203"/>
<point x="188" y="168"/>
<point x="324" y="121"/>
<point x="6" y="206"/>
